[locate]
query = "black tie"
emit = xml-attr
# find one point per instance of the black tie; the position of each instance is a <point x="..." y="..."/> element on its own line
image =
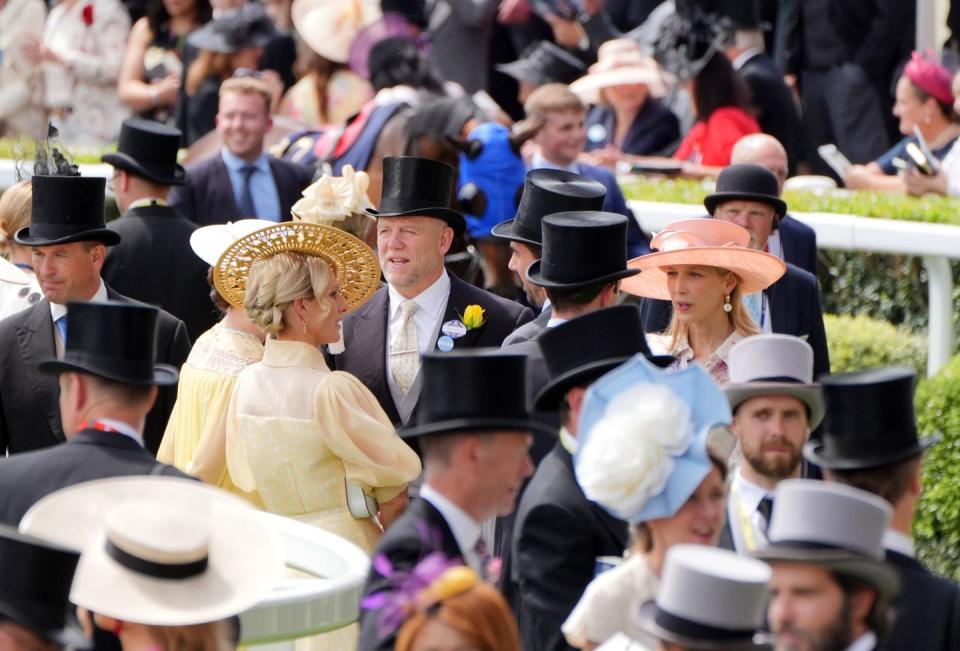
<point x="765" y="508"/>
<point x="247" y="207"/>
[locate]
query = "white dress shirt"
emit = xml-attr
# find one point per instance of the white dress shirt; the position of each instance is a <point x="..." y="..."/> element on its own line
<point x="431" y="302"/>
<point x="742" y="504"/>
<point x="866" y="642"/>
<point x="901" y="543"/>
<point x="465" y="529"/>
<point x="123" y="428"/>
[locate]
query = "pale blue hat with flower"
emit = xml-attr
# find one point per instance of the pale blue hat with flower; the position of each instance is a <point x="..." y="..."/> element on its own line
<point x="643" y="437"/>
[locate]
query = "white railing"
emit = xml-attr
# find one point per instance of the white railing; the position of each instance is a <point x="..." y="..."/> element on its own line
<point x="936" y="244"/>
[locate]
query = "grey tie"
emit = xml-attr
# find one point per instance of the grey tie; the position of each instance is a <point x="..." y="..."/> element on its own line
<point x="246" y="205"/>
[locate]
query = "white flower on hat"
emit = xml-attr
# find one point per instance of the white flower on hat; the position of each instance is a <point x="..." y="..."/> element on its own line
<point x="334" y="198"/>
<point x="629" y="454"/>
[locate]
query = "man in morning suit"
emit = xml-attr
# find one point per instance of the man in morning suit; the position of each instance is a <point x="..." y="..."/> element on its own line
<point x="241" y="181"/>
<point x="558" y="534"/>
<point x="475" y="435"/>
<point x="560" y="141"/>
<point x="747" y="195"/>
<point x="870" y="442"/>
<point x="108" y="383"/>
<point x="69" y="241"/>
<point x="422" y="308"/>
<point x="545" y="191"/>
<point x="153" y="262"/>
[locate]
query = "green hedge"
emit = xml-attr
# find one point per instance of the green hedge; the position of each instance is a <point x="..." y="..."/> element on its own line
<point x="859" y="342"/>
<point x="23" y="149"/>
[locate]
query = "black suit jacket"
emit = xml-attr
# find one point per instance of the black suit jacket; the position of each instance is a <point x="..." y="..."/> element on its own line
<point x="154" y="264"/>
<point x="207" y="195"/>
<point x="27" y="478"/>
<point x="404" y="544"/>
<point x="776" y="111"/>
<point x="529" y="331"/>
<point x="30" y="400"/>
<point x="799" y="244"/>
<point x="927" y="610"/>
<point x="794" y="310"/>
<point x="558" y="536"/>
<point x="365" y="334"/>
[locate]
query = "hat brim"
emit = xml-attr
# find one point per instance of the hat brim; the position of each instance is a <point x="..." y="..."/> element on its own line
<point x="105" y="236"/>
<point x="809" y="394"/>
<point x="552" y="393"/>
<point x="588" y="87"/>
<point x="711" y="201"/>
<point x="352" y="262"/>
<point x="815" y="453"/>
<point x="453" y="219"/>
<point x="877" y="573"/>
<point x="534" y="275"/>
<point x="522" y="70"/>
<point x="466" y="425"/>
<point x="163" y="374"/>
<point x="237" y="578"/>
<point x="10" y="273"/>
<point x="71" y="635"/>
<point x="757" y="270"/>
<point x="127" y="163"/>
<point x="504" y="231"/>
<point x="646" y="619"/>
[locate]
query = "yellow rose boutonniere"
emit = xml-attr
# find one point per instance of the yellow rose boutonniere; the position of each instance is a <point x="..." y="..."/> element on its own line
<point x="473" y="317"/>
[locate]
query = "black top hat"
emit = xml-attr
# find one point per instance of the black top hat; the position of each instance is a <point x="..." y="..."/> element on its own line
<point x="113" y="340"/>
<point x="66" y="209"/>
<point x="414" y="186"/>
<point x="544" y="63"/>
<point x="545" y="192"/>
<point x="581" y="248"/>
<point x="35" y="579"/>
<point x="582" y="349"/>
<point x="246" y="28"/>
<point x="148" y="149"/>
<point x="474" y="390"/>
<point x="747" y="182"/>
<point x="869" y="420"/>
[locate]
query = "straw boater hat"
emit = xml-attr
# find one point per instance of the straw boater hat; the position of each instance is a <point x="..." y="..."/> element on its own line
<point x="161" y="551"/>
<point x="353" y="262"/>
<point x="774" y="365"/>
<point x="620" y="62"/>
<point x="704" y="242"/>
<point x="330" y="26"/>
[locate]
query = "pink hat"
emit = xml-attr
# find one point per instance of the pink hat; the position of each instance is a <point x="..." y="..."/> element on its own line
<point x="929" y="76"/>
<point x="703" y="242"/>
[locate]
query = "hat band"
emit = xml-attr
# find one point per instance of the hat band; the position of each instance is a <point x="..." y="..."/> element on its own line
<point x="157" y="570"/>
<point x="54" y="231"/>
<point x="696" y="630"/>
<point x="407" y="204"/>
<point x="778" y="378"/>
<point x="564" y="271"/>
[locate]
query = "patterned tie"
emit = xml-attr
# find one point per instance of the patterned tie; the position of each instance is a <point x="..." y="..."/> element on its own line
<point x="404" y="349"/>
<point x="61" y="324"/>
<point x="483" y="556"/>
<point x="246" y="205"/>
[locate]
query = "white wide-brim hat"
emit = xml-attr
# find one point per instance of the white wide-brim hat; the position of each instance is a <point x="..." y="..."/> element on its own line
<point x="161" y="551"/>
<point x="329" y="27"/>
<point x="702" y="242"/>
<point x="11" y="273"/>
<point x="209" y="242"/>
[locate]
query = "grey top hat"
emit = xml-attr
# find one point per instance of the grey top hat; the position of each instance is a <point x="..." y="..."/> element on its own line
<point x="774" y="365"/>
<point x="709" y="598"/>
<point x="832" y="525"/>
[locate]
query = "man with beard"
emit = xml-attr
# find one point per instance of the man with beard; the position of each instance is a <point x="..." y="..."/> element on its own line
<point x="775" y="405"/>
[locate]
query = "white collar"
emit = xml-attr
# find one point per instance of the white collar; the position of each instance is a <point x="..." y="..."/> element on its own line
<point x="57" y="310"/>
<point x="123" y="428"/>
<point x="539" y="162"/>
<point x="745" y="56"/>
<point x="866" y="642"/>
<point x="554" y="321"/>
<point x="546" y="301"/>
<point x="465" y="529"/>
<point x="235" y="163"/>
<point x="895" y="541"/>
<point x="568" y="441"/>
<point x="749" y="493"/>
<point x="431" y="300"/>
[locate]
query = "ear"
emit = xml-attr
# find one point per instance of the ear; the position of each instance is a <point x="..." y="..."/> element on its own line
<point x="861" y="602"/>
<point x="446" y="239"/>
<point x="575" y="398"/>
<point x="916" y="483"/>
<point x="730" y="282"/>
<point x="97" y="256"/>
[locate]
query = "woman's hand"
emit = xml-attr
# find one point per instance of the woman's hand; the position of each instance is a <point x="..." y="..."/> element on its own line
<point x="609" y="156"/>
<point x="393" y="509"/>
<point x="858" y="177"/>
<point x="166" y="90"/>
<point x="919" y="184"/>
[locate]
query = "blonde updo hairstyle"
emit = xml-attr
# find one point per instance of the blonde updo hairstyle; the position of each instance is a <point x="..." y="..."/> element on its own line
<point x="15" y="208"/>
<point x="276" y="282"/>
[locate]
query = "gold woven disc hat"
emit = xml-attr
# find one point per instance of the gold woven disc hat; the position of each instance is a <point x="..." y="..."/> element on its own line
<point x="353" y="262"/>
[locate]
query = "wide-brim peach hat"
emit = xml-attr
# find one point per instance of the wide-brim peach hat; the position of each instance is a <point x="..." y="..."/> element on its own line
<point x="702" y="242"/>
<point x="620" y="62"/>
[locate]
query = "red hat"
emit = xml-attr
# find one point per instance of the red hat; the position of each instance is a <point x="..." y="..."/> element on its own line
<point x="929" y="76"/>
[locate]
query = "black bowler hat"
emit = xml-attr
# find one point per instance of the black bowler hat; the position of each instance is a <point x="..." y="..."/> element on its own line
<point x="414" y="186"/>
<point x="113" y="340"/>
<point x="869" y="420"/>
<point x="582" y="349"/>
<point x="747" y="182"/>
<point x="148" y="149"/>
<point x="544" y="63"/>
<point x="473" y="391"/>
<point x="35" y="580"/>
<point x="581" y="248"/>
<point x="546" y="192"/>
<point x="66" y="209"/>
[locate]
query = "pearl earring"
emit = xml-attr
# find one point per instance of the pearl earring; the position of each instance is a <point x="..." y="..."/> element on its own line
<point x="726" y="304"/>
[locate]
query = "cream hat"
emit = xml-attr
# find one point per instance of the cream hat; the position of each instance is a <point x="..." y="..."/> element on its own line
<point x="209" y="242"/>
<point x="704" y="242"/>
<point x="620" y="62"/>
<point x="161" y="551"/>
<point x="330" y="26"/>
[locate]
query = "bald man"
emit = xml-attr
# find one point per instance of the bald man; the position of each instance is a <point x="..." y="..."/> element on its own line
<point x="792" y="241"/>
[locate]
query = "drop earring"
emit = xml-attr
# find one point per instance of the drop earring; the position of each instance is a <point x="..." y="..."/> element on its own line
<point x="726" y="304"/>
<point x="304" y="323"/>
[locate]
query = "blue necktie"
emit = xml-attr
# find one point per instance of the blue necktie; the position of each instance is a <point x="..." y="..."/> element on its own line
<point x="62" y="327"/>
<point x="246" y="206"/>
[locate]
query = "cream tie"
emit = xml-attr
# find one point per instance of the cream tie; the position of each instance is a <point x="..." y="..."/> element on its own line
<point x="404" y="349"/>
